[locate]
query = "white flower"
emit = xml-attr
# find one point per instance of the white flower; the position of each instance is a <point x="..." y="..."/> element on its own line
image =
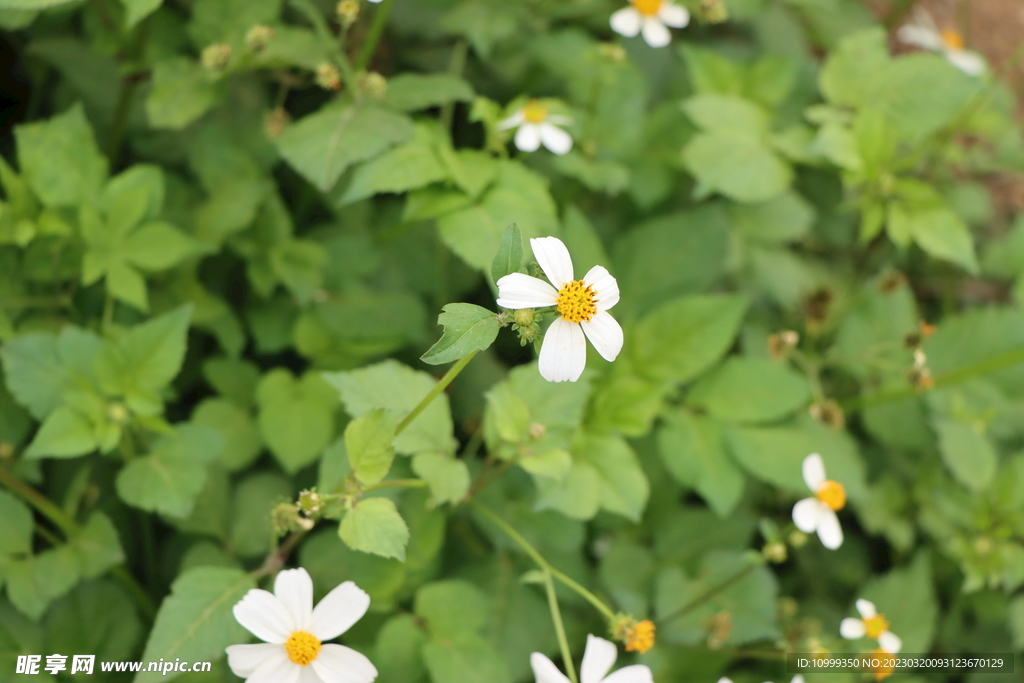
<point x="871" y="624"/>
<point x="597" y="660"/>
<point x="293" y="631"/>
<point x="819" y="513"/>
<point x="537" y="125"/>
<point x="582" y="306"/>
<point x="923" y="33"/>
<point x="651" y="17"/>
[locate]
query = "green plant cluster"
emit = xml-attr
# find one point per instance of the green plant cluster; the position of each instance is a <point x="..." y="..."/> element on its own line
<point x="227" y="229"/>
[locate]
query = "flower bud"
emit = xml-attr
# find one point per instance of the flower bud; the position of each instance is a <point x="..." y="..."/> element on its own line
<point x="537" y="431"/>
<point x="118" y="413"/>
<point x="774" y="552"/>
<point x="348" y="11"/>
<point x="284" y="518"/>
<point x="713" y="11"/>
<point x="258" y="37"/>
<point x="373" y="84"/>
<point x="328" y="77"/>
<point x="215" y="57"/>
<point x="310" y="502"/>
<point x="797" y="539"/>
<point x="274" y="122"/>
<point x="782" y="343"/>
<point x="524" y="316"/>
<point x="828" y="413"/>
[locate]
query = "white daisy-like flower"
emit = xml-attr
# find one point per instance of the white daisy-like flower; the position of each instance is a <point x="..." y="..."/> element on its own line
<point x="294" y="632"/>
<point x="652" y="18"/>
<point x="597" y="660"/>
<point x="538" y="125"/>
<point x="871" y="624"/>
<point x="582" y="307"/>
<point x="799" y="678"/>
<point x="922" y="32"/>
<point x="819" y="513"/>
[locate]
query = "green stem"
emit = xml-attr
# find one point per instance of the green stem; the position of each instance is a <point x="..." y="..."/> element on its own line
<point x="380" y="20"/>
<point x="556" y="619"/>
<point x="541" y="562"/>
<point x="396" y="483"/>
<point x="715" y="590"/>
<point x="323" y="32"/>
<point x="441" y="385"/>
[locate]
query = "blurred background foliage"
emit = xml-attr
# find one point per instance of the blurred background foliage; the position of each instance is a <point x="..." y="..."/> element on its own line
<point x="227" y="228"/>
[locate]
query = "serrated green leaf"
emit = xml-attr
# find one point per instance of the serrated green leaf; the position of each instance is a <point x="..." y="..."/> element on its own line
<point x="509" y="258"/>
<point x="368" y="444"/>
<point x="182" y="92"/>
<point x="97" y="545"/>
<point x="242" y="439"/>
<point x="448" y="477"/>
<point x="16" y="531"/>
<point x="296" y="417"/>
<point x="467" y="328"/>
<point x="967" y="452"/>
<point x="692" y="449"/>
<point x="375" y="526"/>
<point x="66" y="433"/>
<point x="412" y="92"/>
<point x="738" y="165"/>
<point x="36" y="581"/>
<point x="746" y="389"/>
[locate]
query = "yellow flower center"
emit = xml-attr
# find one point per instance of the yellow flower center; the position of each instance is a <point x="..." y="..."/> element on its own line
<point x="648" y="8"/>
<point x="577" y="301"/>
<point x="832" y="494"/>
<point x="882" y="671"/>
<point x="535" y="112"/>
<point x="640" y="638"/>
<point x="875" y="626"/>
<point x="302" y="647"/>
<point x="952" y="39"/>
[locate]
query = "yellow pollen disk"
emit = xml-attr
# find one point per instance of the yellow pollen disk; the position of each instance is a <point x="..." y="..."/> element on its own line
<point x="832" y="494"/>
<point x="302" y="647"/>
<point x="952" y="39"/>
<point x="648" y="8"/>
<point x="875" y="626"/>
<point x="535" y="112"/>
<point x="577" y="301"/>
<point x="640" y="638"/>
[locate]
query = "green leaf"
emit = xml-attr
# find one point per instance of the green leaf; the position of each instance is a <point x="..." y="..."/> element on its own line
<point x="30" y="5"/>
<point x="967" y="452"/>
<point x="66" y="433"/>
<point x="397" y="650"/>
<point x="137" y="10"/>
<point x="97" y="617"/>
<point x="448" y="477"/>
<point x="397" y="387"/>
<point x="242" y="439"/>
<point x="452" y="608"/>
<point x="368" y="444"/>
<point x="172" y="475"/>
<point x="98" y="546"/>
<point x="413" y="92"/>
<point x="399" y="169"/>
<point x="235" y="378"/>
<point x="509" y="258"/>
<point x="16" y="531"/>
<point x="322" y="145"/>
<point x="693" y="452"/>
<point x="554" y="463"/>
<point x="906" y="597"/>
<point x="60" y="160"/>
<point x="681" y="338"/>
<point x="785" y="218"/>
<point x="745" y="389"/>
<point x="36" y="581"/>
<point x="738" y="165"/>
<point x="135" y="195"/>
<point x="296" y="417"/>
<point x="250" y="522"/>
<point x="374" y="526"/>
<point x="182" y="92"/>
<point x="33" y="372"/>
<point x="942" y="234"/>
<point x="727" y="113"/>
<point x="331" y="562"/>
<point x="157" y="246"/>
<point x="127" y="284"/>
<point x="470" y="660"/>
<point x="624" y="488"/>
<point x="578" y="495"/>
<point x="851" y="71"/>
<point x="467" y="328"/>
<point x="195" y="622"/>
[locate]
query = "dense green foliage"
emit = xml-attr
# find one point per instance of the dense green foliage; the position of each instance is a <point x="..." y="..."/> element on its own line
<point x="223" y="250"/>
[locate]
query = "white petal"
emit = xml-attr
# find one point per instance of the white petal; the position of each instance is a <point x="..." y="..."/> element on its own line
<point x="563" y="353"/>
<point x="866" y="608"/>
<point x="553" y="258"/>
<point x="555" y="139"/>
<point x="528" y="137"/>
<point x="244" y="659"/>
<point x="340" y="664"/>
<point x="655" y="32"/>
<point x="605" y="285"/>
<point x="518" y="290"/>
<point x="851" y="628"/>
<point x="627" y="22"/>
<point x="799" y="678"/>
<point x="276" y="669"/>
<point x="814" y="471"/>
<point x="545" y="671"/>
<point x="890" y="642"/>
<point x="724" y="679"/>
<point x="674" y="15"/>
<point x="971" y="63"/>
<point x="308" y="675"/>
<point x="263" y="615"/>
<point x="805" y="514"/>
<point x="605" y="334"/>
<point x="335" y="614"/>
<point x="294" y="588"/>
<point x="913" y="34"/>
<point x="513" y="121"/>
<point x="597" y="659"/>
<point x="638" y="673"/>
<point x="829" y="531"/>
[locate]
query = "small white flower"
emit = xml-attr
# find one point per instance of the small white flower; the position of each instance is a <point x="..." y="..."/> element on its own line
<point x="597" y="660"/>
<point x="582" y="306"/>
<point x="537" y="125"/>
<point x="923" y="33"/>
<point x="871" y="624"/>
<point x="819" y="513"/>
<point x="293" y="633"/>
<point x="652" y="17"/>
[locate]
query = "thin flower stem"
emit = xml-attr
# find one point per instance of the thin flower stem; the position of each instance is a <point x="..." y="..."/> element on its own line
<point x="715" y="590"/>
<point x="590" y="597"/>
<point x="441" y="385"/>
<point x="556" y="619"/>
<point x="380" y="20"/>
